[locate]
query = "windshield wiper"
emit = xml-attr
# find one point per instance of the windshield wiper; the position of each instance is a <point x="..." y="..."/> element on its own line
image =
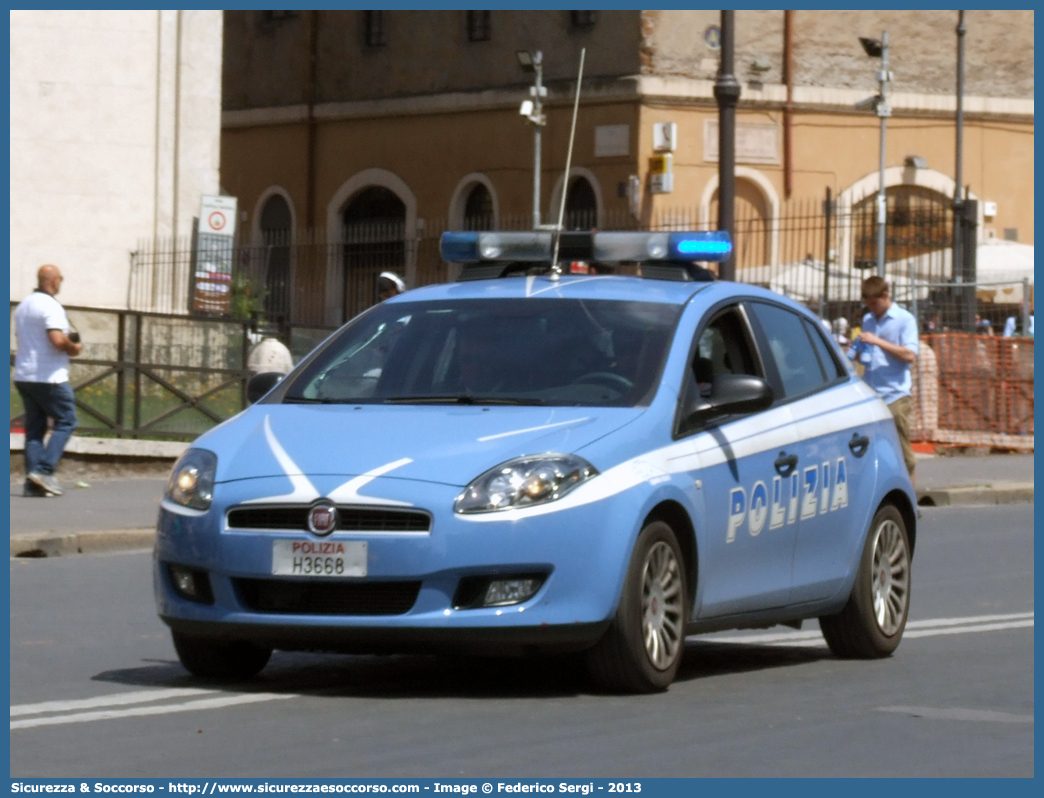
<point x="304" y="400"/>
<point x="461" y="399"/>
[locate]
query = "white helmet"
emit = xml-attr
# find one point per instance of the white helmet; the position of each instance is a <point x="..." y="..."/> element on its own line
<point x="392" y="280"/>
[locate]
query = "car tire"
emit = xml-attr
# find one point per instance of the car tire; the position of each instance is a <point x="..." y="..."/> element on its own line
<point x="209" y="657"/>
<point x="872" y="622"/>
<point x="641" y="650"/>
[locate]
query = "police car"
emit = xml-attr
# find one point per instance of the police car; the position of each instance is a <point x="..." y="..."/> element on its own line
<point x="526" y="460"/>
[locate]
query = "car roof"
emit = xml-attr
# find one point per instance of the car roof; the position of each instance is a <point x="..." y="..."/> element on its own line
<point x="608" y="287"/>
<point x="605" y="287"/>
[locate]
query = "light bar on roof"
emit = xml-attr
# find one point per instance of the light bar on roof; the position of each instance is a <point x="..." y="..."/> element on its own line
<point x="600" y="247"/>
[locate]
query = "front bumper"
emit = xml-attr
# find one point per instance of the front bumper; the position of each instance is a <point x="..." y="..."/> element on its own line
<point x="582" y="552"/>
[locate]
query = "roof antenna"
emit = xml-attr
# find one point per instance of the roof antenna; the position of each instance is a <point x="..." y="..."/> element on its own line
<point x="556" y="270"/>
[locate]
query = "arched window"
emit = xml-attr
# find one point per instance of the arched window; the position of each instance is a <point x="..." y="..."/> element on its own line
<point x="919" y="221"/>
<point x="478" y="209"/>
<point x="581" y="209"/>
<point x="374" y="241"/>
<point x="275" y="227"/>
<point x="752" y="244"/>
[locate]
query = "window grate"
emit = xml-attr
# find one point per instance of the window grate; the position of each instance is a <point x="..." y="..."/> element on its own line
<point x="583" y="19"/>
<point x="376" y="34"/>
<point x="278" y="16"/>
<point x="480" y="26"/>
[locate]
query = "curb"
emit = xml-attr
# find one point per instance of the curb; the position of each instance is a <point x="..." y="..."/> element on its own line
<point x="114" y="447"/>
<point x="1016" y="493"/>
<point x="52" y="544"/>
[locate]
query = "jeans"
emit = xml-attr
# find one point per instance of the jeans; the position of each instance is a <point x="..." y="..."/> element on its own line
<point x="43" y="400"/>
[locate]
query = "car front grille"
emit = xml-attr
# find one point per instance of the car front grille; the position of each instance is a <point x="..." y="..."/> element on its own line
<point x="349" y="519"/>
<point x="285" y="597"/>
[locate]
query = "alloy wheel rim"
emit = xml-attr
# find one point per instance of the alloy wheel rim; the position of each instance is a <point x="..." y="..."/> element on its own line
<point x="662" y="606"/>
<point x="890" y="576"/>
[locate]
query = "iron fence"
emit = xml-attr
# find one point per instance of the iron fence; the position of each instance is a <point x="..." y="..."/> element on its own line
<point x="153" y="375"/>
<point x="817" y="251"/>
<point x="172" y="365"/>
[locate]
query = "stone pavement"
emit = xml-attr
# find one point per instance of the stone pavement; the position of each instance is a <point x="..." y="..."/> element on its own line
<point x="119" y="514"/>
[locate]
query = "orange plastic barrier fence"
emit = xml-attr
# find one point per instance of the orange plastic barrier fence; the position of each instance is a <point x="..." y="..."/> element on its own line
<point x="974" y="390"/>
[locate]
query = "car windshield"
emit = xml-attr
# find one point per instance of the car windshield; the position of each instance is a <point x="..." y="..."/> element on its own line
<point x="527" y="351"/>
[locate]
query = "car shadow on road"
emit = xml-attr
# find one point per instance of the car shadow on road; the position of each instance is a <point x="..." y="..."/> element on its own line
<point x="706" y="659"/>
<point x="443" y="676"/>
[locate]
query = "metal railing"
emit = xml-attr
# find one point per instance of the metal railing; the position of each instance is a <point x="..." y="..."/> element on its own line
<point x="159" y="370"/>
<point x="159" y="376"/>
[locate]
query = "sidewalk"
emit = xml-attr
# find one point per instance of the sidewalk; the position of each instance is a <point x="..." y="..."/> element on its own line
<point x="120" y="514"/>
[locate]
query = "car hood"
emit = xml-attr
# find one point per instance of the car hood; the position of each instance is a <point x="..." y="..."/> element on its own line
<point x="449" y="445"/>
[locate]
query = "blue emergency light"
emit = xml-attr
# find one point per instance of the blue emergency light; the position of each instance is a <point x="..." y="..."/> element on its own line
<point x="599" y="247"/>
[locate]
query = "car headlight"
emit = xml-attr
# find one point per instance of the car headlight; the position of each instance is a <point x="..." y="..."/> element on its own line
<point x="524" y="482"/>
<point x="191" y="482"/>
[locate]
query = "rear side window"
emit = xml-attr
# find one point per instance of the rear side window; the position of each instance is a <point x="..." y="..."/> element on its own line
<point x="832" y="368"/>
<point x="790" y="349"/>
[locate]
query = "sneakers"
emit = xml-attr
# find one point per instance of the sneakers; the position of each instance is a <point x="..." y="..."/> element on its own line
<point x="31" y="490"/>
<point x="45" y="481"/>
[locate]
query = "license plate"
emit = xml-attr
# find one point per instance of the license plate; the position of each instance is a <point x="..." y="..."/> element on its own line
<point x="319" y="557"/>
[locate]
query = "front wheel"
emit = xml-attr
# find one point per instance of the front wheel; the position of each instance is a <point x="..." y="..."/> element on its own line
<point x="225" y="659"/>
<point x="872" y="622"/>
<point x="642" y="649"/>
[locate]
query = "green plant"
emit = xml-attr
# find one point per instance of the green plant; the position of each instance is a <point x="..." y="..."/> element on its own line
<point x="247" y="297"/>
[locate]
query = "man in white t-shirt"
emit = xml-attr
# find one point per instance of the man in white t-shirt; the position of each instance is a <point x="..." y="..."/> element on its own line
<point x="41" y="376"/>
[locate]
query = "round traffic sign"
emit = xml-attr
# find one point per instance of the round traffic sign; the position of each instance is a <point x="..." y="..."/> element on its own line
<point x="216" y="220"/>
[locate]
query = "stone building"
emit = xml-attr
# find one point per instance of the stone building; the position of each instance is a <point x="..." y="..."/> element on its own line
<point x="411" y="119"/>
<point x="115" y="135"/>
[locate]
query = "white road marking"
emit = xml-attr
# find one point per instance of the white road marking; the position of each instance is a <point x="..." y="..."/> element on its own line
<point x="1015" y="616"/>
<point x="71" y="710"/>
<point x="116" y="699"/>
<point x="188" y="706"/>
<point x="960" y="630"/>
<point x="914" y="629"/>
<point x="959" y="713"/>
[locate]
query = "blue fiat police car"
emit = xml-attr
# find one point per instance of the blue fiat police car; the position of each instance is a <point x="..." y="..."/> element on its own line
<point x="527" y="460"/>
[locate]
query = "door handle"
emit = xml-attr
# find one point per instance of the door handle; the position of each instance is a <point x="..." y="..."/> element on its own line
<point x="786" y="463"/>
<point x="859" y="444"/>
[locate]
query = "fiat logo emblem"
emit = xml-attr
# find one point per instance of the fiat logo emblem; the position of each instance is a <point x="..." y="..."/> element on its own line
<point x="322" y="519"/>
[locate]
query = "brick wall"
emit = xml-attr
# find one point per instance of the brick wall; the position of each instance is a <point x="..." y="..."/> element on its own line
<point x="998" y="48"/>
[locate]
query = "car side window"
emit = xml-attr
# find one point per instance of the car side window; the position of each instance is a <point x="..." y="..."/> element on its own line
<point x="827" y="357"/>
<point x="724" y="347"/>
<point x="791" y="349"/>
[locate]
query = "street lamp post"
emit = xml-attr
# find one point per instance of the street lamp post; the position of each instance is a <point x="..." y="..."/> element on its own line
<point x="878" y="48"/>
<point x="727" y="93"/>
<point x="964" y="244"/>
<point x="533" y="61"/>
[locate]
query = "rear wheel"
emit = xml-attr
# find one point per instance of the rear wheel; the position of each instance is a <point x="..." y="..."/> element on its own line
<point x="872" y="622"/>
<point x="642" y="649"/>
<point x="226" y="659"/>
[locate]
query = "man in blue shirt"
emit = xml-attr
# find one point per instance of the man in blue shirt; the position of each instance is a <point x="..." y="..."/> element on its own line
<point x="887" y="347"/>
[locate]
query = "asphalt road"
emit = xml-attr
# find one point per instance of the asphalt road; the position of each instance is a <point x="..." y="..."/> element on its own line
<point x="106" y="504"/>
<point x="955" y="700"/>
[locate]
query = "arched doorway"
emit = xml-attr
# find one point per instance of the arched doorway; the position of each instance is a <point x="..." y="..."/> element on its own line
<point x="374" y="240"/>
<point x="918" y="231"/>
<point x="752" y="244"/>
<point x="581" y="206"/>
<point x="275" y="225"/>
<point x="478" y="209"/>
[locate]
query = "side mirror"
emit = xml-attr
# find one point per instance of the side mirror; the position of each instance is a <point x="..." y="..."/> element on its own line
<point x="260" y="384"/>
<point x="732" y="393"/>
